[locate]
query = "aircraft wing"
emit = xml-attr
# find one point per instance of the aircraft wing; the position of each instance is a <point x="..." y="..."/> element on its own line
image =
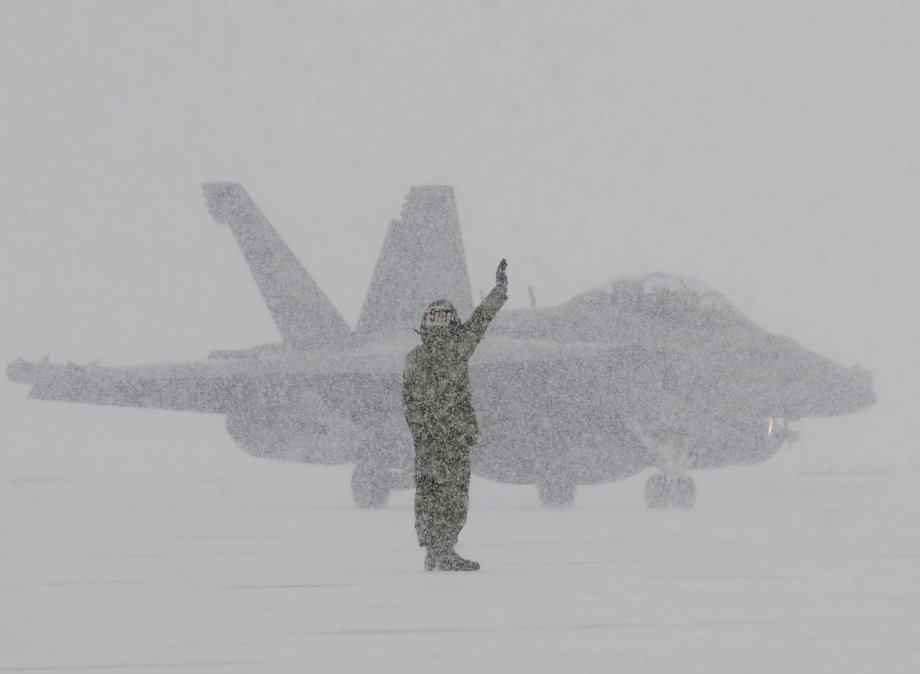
<point x="221" y="384"/>
<point x="209" y="386"/>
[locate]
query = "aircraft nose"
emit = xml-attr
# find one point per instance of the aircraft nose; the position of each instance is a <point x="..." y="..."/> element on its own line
<point x="815" y="386"/>
<point x="850" y="390"/>
<point x="861" y="381"/>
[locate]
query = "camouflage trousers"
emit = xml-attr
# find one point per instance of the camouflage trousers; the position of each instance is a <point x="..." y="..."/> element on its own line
<point x="440" y="509"/>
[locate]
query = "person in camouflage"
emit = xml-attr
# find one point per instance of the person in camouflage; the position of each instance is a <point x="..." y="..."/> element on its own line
<point x="439" y="410"/>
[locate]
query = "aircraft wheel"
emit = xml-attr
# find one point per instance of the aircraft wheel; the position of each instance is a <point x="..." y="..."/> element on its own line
<point x="683" y="493"/>
<point x="557" y="494"/>
<point x="367" y="487"/>
<point x="657" y="492"/>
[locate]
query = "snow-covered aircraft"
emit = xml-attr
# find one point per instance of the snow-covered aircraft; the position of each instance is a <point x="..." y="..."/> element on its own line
<point x="646" y="372"/>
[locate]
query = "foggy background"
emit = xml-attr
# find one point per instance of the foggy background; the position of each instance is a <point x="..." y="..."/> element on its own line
<point x="769" y="150"/>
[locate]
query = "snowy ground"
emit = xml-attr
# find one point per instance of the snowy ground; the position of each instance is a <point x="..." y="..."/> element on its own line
<point x="145" y="541"/>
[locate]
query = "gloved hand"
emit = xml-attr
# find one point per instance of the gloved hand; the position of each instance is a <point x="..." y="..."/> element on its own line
<point x="501" y="278"/>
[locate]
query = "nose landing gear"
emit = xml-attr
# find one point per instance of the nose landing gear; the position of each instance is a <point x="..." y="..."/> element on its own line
<point x="672" y="487"/>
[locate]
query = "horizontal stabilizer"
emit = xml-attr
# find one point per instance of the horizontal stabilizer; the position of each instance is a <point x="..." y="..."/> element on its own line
<point x="304" y="315"/>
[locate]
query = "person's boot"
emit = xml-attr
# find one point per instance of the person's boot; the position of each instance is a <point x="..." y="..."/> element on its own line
<point x="448" y="560"/>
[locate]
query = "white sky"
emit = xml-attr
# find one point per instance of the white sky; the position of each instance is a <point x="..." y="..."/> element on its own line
<point x="770" y="150"/>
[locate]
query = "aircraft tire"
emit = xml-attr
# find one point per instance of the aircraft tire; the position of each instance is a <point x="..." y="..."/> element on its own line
<point x="683" y="493"/>
<point x="657" y="492"/>
<point x="557" y="493"/>
<point x="367" y="488"/>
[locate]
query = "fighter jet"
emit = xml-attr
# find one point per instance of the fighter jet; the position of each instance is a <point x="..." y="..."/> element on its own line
<point x="654" y="371"/>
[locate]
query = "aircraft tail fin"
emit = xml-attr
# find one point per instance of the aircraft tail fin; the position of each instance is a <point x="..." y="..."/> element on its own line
<point x="421" y="260"/>
<point x="304" y="315"/>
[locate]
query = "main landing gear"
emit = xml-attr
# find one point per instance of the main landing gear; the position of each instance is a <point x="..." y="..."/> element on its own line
<point x="369" y="487"/>
<point x="557" y="492"/>
<point x="662" y="491"/>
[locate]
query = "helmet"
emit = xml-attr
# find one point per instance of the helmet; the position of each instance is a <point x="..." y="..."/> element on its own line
<point x="439" y="318"/>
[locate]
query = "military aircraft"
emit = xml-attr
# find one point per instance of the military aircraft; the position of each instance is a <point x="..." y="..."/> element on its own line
<point x="647" y="372"/>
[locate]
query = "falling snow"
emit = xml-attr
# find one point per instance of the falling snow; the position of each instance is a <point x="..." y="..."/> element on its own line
<point x="709" y="215"/>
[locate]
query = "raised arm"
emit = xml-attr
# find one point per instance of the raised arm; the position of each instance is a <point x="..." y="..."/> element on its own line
<point x="474" y="329"/>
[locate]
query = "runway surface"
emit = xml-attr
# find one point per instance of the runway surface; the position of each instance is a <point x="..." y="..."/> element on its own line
<point x="143" y="541"/>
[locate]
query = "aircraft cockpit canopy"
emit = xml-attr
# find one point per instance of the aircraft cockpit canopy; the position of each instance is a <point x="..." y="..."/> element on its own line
<point x="676" y="297"/>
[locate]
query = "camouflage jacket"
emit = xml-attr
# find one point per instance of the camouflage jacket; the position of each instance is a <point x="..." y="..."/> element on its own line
<point x="436" y="392"/>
